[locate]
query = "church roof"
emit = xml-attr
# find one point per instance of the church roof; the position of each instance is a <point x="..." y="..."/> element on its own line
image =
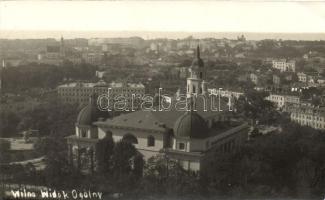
<point x="159" y="120"/>
<point x="90" y="113"/>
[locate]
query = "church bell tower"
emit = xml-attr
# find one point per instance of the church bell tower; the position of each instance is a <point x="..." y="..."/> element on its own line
<point x="196" y="83"/>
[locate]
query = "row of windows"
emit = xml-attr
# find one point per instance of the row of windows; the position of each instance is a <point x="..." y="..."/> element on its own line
<point x="307" y="117"/>
<point x="312" y="124"/>
<point x="88" y="94"/>
<point x="227" y="147"/>
<point x="194" y="89"/>
<point x="61" y="90"/>
<point x="74" y="89"/>
<point x="292" y="100"/>
<point x="127" y="137"/>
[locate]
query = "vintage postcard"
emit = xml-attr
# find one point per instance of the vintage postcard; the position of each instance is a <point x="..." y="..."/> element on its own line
<point x="156" y="100"/>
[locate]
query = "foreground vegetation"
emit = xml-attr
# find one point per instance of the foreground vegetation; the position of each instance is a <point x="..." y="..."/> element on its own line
<point x="286" y="164"/>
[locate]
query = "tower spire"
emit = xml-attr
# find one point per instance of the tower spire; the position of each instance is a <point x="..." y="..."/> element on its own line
<point x="198" y="51"/>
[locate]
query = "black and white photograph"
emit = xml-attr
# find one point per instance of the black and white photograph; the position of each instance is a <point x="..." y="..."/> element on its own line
<point x="162" y="100"/>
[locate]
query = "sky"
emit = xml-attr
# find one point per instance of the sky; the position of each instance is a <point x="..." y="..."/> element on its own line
<point x="165" y="16"/>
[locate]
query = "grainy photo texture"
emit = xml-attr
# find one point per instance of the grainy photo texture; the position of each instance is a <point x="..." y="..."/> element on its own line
<point x="156" y="100"/>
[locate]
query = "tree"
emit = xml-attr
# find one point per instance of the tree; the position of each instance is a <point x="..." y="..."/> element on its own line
<point x="8" y="122"/>
<point x="122" y="157"/>
<point x="104" y="152"/>
<point x="163" y="175"/>
<point x="42" y="116"/>
<point x="254" y="106"/>
<point x="58" y="172"/>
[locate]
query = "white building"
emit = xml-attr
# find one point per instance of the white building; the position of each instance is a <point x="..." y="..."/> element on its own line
<point x="284" y="66"/>
<point x="79" y="92"/>
<point x="226" y="93"/>
<point x="282" y="100"/>
<point x="309" y="116"/>
<point x="302" y="77"/>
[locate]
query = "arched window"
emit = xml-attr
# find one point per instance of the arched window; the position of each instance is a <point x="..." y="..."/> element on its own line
<point x="150" y="141"/>
<point x="130" y="138"/>
<point x="83" y="133"/>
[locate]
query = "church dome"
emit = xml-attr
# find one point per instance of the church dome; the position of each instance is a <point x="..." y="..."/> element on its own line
<point x="191" y="125"/>
<point x="88" y="114"/>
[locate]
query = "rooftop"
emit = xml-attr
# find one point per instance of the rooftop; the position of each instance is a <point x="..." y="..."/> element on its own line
<point x="102" y="83"/>
<point x="158" y="121"/>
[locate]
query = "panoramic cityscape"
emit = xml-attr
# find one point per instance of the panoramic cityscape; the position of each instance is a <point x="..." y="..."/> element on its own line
<point x="54" y="134"/>
<point x="146" y="115"/>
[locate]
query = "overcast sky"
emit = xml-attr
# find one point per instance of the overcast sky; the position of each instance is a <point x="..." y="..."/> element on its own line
<point x="191" y="16"/>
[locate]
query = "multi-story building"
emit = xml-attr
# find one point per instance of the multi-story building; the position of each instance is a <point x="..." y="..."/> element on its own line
<point x="302" y="77"/>
<point x="276" y="79"/>
<point x="281" y="100"/>
<point x="79" y="92"/>
<point x="54" y="54"/>
<point x="226" y="93"/>
<point x="310" y="78"/>
<point x="309" y="116"/>
<point x="254" y="78"/>
<point x="284" y="66"/>
<point x="94" y="58"/>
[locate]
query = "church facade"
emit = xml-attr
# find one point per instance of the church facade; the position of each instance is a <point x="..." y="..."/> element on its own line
<point x="190" y="137"/>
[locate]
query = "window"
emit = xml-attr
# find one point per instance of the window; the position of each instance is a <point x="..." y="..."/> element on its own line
<point x="83" y="133"/>
<point x="181" y="146"/>
<point x="150" y="141"/>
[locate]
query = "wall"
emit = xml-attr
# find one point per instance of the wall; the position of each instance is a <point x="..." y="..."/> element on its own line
<point x="141" y="137"/>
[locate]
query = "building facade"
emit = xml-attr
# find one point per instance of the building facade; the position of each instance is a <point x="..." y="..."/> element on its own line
<point x="281" y="100"/>
<point x="284" y="66"/>
<point x="313" y="117"/>
<point x="78" y="93"/>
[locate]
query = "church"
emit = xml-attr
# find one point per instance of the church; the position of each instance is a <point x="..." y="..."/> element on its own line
<point x="189" y="137"/>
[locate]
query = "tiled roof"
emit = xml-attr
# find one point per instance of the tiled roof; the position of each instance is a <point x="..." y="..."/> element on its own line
<point x="154" y="120"/>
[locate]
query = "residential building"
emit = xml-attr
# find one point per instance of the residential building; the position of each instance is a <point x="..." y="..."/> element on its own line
<point x="79" y="92"/>
<point x="94" y="58"/>
<point x="284" y="66"/>
<point x="254" y="78"/>
<point x="309" y="116"/>
<point x="281" y="100"/>
<point x="226" y="93"/>
<point x="276" y="79"/>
